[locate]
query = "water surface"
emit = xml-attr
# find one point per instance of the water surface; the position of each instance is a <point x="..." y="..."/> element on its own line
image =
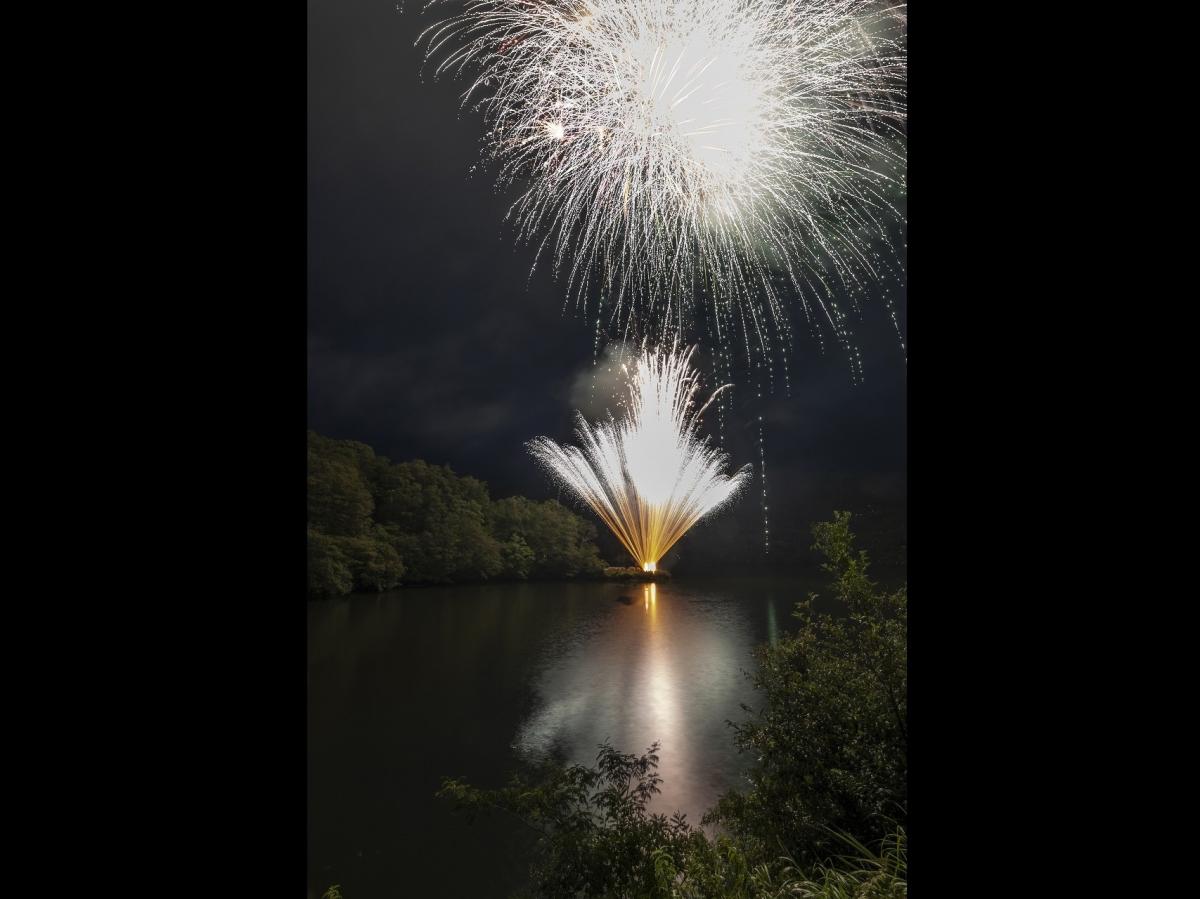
<point x="411" y="686"/>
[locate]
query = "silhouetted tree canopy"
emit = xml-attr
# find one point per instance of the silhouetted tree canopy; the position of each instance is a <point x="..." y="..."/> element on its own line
<point x="374" y="524"/>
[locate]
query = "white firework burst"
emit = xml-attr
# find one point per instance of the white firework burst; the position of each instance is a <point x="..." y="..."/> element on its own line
<point x="650" y="476"/>
<point x="687" y="153"/>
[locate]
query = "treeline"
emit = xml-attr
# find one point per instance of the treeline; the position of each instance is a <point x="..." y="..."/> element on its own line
<point x="374" y="524"/>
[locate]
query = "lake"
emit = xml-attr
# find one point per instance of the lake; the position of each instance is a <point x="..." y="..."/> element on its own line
<point x="408" y="687"/>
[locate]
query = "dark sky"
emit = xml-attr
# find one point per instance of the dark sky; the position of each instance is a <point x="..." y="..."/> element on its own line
<point x="427" y="337"/>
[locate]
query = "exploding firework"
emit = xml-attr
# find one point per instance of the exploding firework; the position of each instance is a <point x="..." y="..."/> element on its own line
<point x="676" y="153"/>
<point x="649" y="476"/>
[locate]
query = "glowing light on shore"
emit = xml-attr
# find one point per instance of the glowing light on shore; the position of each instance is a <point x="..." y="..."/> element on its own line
<point x="649" y="476"/>
<point x="678" y="153"/>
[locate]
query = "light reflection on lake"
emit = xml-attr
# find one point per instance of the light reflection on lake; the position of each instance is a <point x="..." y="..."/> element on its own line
<point x="409" y="687"/>
<point x="666" y="667"/>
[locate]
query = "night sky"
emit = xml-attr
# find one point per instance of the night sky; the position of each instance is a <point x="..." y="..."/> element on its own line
<point x="428" y="338"/>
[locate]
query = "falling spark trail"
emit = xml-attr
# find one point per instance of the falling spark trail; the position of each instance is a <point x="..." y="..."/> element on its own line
<point x="649" y="476"/>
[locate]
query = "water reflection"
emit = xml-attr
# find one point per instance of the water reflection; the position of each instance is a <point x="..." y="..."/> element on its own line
<point x="409" y="687"/>
<point x="670" y="672"/>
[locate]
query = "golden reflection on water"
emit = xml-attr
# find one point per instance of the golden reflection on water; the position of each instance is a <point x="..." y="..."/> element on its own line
<point x="661" y="684"/>
<point x="671" y="673"/>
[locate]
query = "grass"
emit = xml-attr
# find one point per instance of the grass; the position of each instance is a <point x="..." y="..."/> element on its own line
<point x="858" y="874"/>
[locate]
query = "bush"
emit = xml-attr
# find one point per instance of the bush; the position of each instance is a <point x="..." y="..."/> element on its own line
<point x="831" y="737"/>
<point x="595" y="838"/>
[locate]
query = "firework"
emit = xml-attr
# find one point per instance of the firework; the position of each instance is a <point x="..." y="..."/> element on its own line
<point x="649" y="476"/>
<point x="700" y="152"/>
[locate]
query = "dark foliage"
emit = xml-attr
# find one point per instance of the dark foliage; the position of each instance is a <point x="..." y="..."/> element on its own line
<point x="374" y="524"/>
<point x="831" y="737"/>
<point x="595" y="837"/>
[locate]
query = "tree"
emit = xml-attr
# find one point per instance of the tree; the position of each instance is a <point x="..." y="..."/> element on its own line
<point x="373" y="559"/>
<point x="374" y="523"/>
<point x="438" y="523"/>
<point x="831" y="737"/>
<point x="516" y="558"/>
<point x="328" y="570"/>
<point x="339" y="501"/>
<point x="563" y="544"/>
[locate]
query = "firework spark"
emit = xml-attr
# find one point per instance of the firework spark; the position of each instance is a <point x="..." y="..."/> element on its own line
<point x="649" y="476"/>
<point x="677" y="150"/>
